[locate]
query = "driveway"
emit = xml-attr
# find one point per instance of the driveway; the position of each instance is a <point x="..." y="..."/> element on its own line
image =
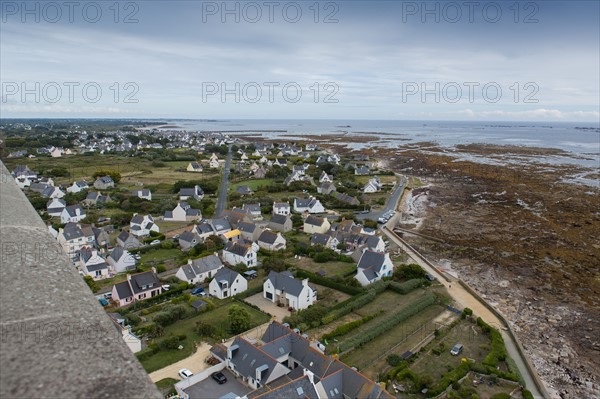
<point x="268" y="306"/>
<point x="195" y="363"/>
<point x="210" y="389"/>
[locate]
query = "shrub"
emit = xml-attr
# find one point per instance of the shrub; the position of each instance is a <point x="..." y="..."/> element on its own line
<point x="501" y="395"/>
<point x="409" y="272"/>
<point x="346" y="328"/>
<point x="205" y="329"/>
<point x="171" y="342"/>
<point x="315" y="278"/>
<point x="407" y="286"/>
<point x="393" y="360"/>
<point x="467" y="312"/>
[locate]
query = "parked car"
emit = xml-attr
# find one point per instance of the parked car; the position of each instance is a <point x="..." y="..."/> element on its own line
<point x="108" y="295"/>
<point x="456" y="349"/>
<point x="185" y="373"/>
<point x="219" y="377"/>
<point x="155" y="242"/>
<point x="103" y="301"/>
<point x="197" y="291"/>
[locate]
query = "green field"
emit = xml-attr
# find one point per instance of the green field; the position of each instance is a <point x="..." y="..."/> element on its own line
<point x="217" y="317"/>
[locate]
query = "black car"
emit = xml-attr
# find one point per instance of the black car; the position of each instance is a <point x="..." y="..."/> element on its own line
<point x="219" y="377"/>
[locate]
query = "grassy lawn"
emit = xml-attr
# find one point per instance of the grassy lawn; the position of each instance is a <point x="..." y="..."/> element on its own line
<point x="159" y="255"/>
<point x="166" y="226"/>
<point x="388" y="301"/>
<point x="370" y="358"/>
<point x="333" y="268"/>
<point x="218" y="317"/>
<point x="166" y="385"/>
<point x="328" y="296"/>
<point x="254" y="184"/>
<point x="476" y="347"/>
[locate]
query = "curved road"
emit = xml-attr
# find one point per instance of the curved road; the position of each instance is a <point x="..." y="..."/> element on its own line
<point x="391" y="204"/>
<point x="222" y="200"/>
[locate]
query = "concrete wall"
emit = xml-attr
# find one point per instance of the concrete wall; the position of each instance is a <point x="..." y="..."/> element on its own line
<point x="56" y="341"/>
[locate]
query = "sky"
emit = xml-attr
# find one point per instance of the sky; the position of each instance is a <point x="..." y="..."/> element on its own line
<point x="394" y="60"/>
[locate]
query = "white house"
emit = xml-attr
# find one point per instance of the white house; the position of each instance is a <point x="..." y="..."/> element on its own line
<point x="213" y="163"/>
<point x="254" y="210"/>
<point x="227" y="283"/>
<point x="198" y="270"/>
<point x="271" y="241"/>
<point x="373" y="266"/>
<point x="55" y="207"/>
<point x="310" y="205"/>
<point x="141" y="226"/>
<point x="183" y="212"/>
<point x="194" y="167"/>
<point x="92" y="264"/>
<point x="236" y="253"/>
<point x="195" y="192"/>
<point x="284" y="289"/>
<point x="72" y="213"/>
<point x="77" y="187"/>
<point x="325" y="178"/>
<point x="281" y="208"/>
<point x="143" y="194"/>
<point x="314" y="224"/>
<point x="372" y="186"/>
<point x="120" y="260"/>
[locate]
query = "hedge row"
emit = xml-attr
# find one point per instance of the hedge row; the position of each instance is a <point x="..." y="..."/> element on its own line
<point x="346" y="328"/>
<point x="407" y="286"/>
<point x="448" y="379"/>
<point x="498" y="352"/>
<point x="249" y="292"/>
<point x="349" y="305"/>
<point x="388" y="323"/>
<point x="315" y="278"/>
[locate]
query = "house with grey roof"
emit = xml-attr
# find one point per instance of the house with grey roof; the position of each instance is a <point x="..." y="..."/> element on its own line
<point x="271" y="240"/>
<point x="249" y="231"/>
<point x="95" y="198"/>
<point x="203" y="230"/>
<point x="235" y="253"/>
<point x="314" y="224"/>
<point x="183" y="212"/>
<point x="55" y="206"/>
<point x="92" y="264"/>
<point x="194" y="167"/>
<point x="310" y="205"/>
<point x="326" y="188"/>
<point x="52" y="192"/>
<point x="281" y="223"/>
<point x="104" y="183"/>
<point x="188" y="239"/>
<point x="244" y="190"/>
<point x="78" y="186"/>
<point x="72" y="214"/>
<point x="128" y="241"/>
<point x="254" y="210"/>
<point x="286" y="365"/>
<point x="220" y="226"/>
<point x="326" y="240"/>
<point x="198" y="270"/>
<point x="255" y="367"/>
<point x="281" y="208"/>
<point x="194" y="192"/>
<point x="227" y="283"/>
<point x="282" y="288"/>
<point x="142" y="225"/>
<point x="373" y="266"/>
<point x="120" y="260"/>
<point x="362" y="171"/>
<point x="137" y="287"/>
<point x="144" y="193"/>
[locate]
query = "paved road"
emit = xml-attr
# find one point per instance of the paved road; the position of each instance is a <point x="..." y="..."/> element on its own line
<point x="222" y="200"/>
<point x="391" y="204"/>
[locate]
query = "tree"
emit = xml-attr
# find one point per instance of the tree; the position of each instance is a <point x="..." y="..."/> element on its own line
<point x="91" y="283"/>
<point x="239" y="319"/>
<point x="409" y="272"/>
<point x="205" y="329"/>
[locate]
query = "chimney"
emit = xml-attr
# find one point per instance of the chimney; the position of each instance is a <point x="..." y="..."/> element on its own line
<point x="153" y="270"/>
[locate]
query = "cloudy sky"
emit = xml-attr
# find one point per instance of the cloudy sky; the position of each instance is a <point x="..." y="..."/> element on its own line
<point x="535" y="61"/>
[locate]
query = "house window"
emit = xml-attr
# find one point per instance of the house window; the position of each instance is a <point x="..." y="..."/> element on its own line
<point x="98" y="273"/>
<point x="128" y="299"/>
<point x="142" y="296"/>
